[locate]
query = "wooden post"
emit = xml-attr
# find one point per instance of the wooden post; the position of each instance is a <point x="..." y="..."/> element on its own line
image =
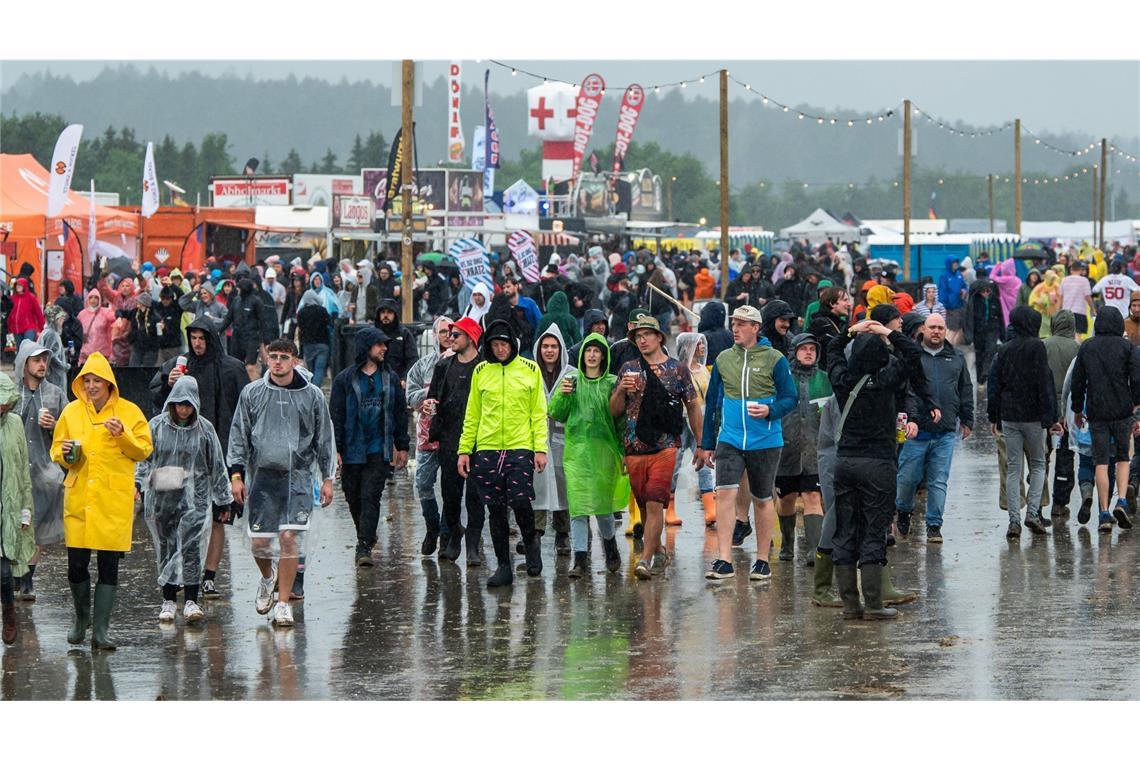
<point x="723" y="182"/>
<point x="1017" y="176"/>
<point x="990" y="192"/>
<point x="1095" y="198"/>
<point x="669" y="198"/>
<point x="906" y="191"/>
<point x="1103" y="181"/>
<point x="406" y="250"/>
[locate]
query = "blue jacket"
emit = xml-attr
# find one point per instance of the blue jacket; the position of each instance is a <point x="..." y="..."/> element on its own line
<point x="759" y="374"/>
<point x="344" y="403"/>
<point x="950" y="286"/>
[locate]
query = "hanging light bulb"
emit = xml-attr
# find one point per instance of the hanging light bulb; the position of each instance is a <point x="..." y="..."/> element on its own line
<point x="514" y="72"/>
<point x="850" y="123"/>
<point x="702" y="80"/>
<point x="801" y="115"/>
<point x="820" y="119"/>
<point x="785" y="109"/>
<point x="765" y="100"/>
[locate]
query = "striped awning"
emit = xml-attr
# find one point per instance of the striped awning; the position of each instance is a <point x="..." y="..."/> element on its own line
<point x="555" y="238"/>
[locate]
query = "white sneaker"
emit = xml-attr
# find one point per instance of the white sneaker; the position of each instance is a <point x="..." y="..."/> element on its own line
<point x="264" y="600"/>
<point x="166" y="615"/>
<point x="283" y="615"/>
<point x="191" y="612"/>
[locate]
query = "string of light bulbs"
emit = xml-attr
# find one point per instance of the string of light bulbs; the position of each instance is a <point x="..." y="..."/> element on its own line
<point x="803" y="115"/>
<point x="955" y="130"/>
<point x="1123" y="154"/>
<point x="682" y="83"/>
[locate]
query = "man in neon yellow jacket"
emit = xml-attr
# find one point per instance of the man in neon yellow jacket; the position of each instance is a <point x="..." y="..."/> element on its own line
<point x="504" y="443"/>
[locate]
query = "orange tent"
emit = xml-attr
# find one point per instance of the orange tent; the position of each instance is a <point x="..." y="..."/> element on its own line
<point x="23" y="207"/>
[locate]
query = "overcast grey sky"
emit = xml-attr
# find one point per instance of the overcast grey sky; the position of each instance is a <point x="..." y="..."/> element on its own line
<point x="1055" y="96"/>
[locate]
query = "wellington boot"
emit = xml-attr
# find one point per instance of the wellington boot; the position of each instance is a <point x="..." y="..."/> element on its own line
<point x="709" y="502"/>
<point x="873" y="594"/>
<point x="502" y="576"/>
<point x="9" y="617"/>
<point x="824" y="596"/>
<point x="787" y="537"/>
<point x="580" y="566"/>
<point x="671" y="518"/>
<point x="893" y="596"/>
<point x="813" y="528"/>
<point x="81" y="597"/>
<point x="534" y="558"/>
<point x="613" y="558"/>
<point x="453" y="548"/>
<point x="634" y="518"/>
<point x="846" y="578"/>
<point x="101" y="620"/>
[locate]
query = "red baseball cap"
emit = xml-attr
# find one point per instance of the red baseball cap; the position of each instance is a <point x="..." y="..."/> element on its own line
<point x="469" y="327"/>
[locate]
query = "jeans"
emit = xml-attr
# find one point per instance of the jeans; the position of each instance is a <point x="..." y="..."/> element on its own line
<point x="452" y="486"/>
<point x="363" y="490"/>
<point x="316" y="357"/>
<point x="706" y="476"/>
<point x="985" y="348"/>
<point x="427" y="467"/>
<point x="931" y="457"/>
<point x="25" y="335"/>
<point x="1024" y="439"/>
<point x="864" y="506"/>
<point x="580" y="530"/>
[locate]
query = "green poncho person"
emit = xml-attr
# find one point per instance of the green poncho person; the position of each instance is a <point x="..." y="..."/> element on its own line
<point x="592" y="460"/>
<point x="558" y="313"/>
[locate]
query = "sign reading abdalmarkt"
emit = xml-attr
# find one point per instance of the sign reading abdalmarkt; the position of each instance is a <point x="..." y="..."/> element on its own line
<point x="246" y="192"/>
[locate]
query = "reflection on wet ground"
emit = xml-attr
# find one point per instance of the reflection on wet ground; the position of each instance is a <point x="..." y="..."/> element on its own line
<point x="1052" y="618"/>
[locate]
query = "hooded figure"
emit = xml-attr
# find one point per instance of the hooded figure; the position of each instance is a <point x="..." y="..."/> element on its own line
<point x="180" y="482"/>
<point x="1061" y="348"/>
<point x="1020" y="387"/>
<point x="772" y="311"/>
<point x="16" y="542"/>
<point x="354" y="436"/>
<point x="712" y="326"/>
<point x="558" y="313"/>
<point x="99" y="493"/>
<point x="402" y="349"/>
<point x="97" y="321"/>
<point x="1045" y="298"/>
<point x="1106" y="372"/>
<point x="47" y="477"/>
<point x="951" y="285"/>
<point x="474" y="310"/>
<point x="550" y="484"/>
<point x="69" y="302"/>
<point x="1004" y="276"/>
<point x="1032" y="280"/>
<point x="26" y="318"/>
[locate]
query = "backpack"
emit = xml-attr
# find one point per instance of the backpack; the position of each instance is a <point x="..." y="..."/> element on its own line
<point x="662" y="412"/>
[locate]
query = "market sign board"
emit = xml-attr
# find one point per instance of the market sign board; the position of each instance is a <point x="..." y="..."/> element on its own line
<point x="352" y="212"/>
<point x="246" y="192"/>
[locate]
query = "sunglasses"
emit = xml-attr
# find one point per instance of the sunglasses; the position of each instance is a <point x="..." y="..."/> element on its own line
<point x="280" y="357"/>
<point x="456" y="333"/>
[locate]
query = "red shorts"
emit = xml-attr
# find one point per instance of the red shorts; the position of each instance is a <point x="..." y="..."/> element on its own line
<point x="651" y="475"/>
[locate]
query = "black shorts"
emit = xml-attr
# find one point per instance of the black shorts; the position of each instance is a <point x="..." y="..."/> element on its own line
<point x="504" y="478"/>
<point x="761" y="466"/>
<point x="1110" y="440"/>
<point x="230" y="508"/>
<point x="805" y="482"/>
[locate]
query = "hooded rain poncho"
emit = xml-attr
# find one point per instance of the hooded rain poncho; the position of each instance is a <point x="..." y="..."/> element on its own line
<point x="593" y="454"/>
<point x="16" y="543"/>
<point x="558" y="313"/>
<point x="181" y="481"/>
<point x="47" y="477"/>
<point x="550" y="484"/>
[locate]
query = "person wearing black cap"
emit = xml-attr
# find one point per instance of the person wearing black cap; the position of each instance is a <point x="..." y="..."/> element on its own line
<point x="370" y="423"/>
<point x="778" y="318"/>
<point x="402" y="349"/>
<point x="504" y="443"/>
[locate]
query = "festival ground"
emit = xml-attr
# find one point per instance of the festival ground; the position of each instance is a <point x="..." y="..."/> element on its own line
<point x="1051" y="618"/>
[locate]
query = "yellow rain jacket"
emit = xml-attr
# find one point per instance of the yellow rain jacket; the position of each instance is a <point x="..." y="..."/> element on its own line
<point x="99" y="490"/>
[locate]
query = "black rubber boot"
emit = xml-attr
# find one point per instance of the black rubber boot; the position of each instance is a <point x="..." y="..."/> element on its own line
<point x="562" y="544"/>
<point x="475" y="554"/>
<point x="427" y="548"/>
<point x="846" y="578"/>
<point x="101" y="620"/>
<point x="813" y="529"/>
<point x="454" y="547"/>
<point x="823" y="596"/>
<point x="873" y="594"/>
<point x="579" y="568"/>
<point x="787" y="537"/>
<point x="501" y="577"/>
<point x="81" y="597"/>
<point x="613" y="558"/>
<point x="534" y="558"/>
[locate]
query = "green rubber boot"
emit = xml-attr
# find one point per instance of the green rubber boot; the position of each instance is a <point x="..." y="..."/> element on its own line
<point x="824" y="596"/>
<point x="787" y="537"/>
<point x="847" y="579"/>
<point x="874" y="608"/>
<point x="893" y="596"/>
<point x="104" y="603"/>
<point x="81" y="596"/>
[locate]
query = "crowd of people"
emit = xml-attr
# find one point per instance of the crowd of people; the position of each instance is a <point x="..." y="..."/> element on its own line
<point x="819" y="385"/>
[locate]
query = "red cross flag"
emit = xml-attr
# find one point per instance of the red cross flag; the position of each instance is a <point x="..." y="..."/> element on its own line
<point x="551" y="110"/>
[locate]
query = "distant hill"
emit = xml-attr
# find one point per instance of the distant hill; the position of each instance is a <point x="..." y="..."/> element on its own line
<point x="313" y="115"/>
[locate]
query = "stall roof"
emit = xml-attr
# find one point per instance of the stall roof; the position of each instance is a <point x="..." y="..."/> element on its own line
<point x="959" y="239"/>
<point x="821" y="224"/>
<point x="917" y="226"/>
<point x="1126" y="229"/>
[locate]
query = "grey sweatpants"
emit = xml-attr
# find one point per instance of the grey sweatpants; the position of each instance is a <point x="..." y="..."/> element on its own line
<point x="1024" y="440"/>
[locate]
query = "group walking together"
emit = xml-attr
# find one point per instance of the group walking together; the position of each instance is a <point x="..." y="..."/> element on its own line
<point x="818" y="387"/>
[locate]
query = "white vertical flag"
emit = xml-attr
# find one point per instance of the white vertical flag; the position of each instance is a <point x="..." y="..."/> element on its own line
<point x="92" y="237"/>
<point x="62" y="167"/>
<point x="149" y="184"/>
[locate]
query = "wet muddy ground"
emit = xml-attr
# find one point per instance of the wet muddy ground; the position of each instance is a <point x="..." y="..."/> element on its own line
<point x="1051" y="617"/>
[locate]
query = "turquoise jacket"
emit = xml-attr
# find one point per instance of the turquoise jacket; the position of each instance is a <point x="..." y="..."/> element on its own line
<point x="758" y="374"/>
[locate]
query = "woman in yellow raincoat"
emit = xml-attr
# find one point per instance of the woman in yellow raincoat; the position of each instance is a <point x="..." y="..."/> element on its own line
<point x="1045" y="298"/>
<point x="99" y="490"/>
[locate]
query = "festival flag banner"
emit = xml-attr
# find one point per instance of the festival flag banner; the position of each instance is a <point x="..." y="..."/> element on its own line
<point x="150" y="198"/>
<point x="479" y="148"/>
<point x="62" y="168"/>
<point x="455" y="143"/>
<point x="471" y="258"/>
<point x="491" y="140"/>
<point x="395" y="164"/>
<point x="72" y="256"/>
<point x="193" y="249"/>
<point x="521" y="246"/>
<point x="589" y="101"/>
<point x="631" y="104"/>
<point x="92" y="240"/>
<point x="933" y="213"/>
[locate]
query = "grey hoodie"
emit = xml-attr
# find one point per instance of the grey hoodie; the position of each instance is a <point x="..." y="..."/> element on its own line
<point x="1061" y="348"/>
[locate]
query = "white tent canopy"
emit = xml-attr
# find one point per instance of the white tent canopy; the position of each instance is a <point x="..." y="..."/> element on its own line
<point x="1126" y="231"/>
<point x="821" y="226"/>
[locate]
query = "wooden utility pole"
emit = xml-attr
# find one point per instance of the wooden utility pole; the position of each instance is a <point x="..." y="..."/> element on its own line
<point x="669" y="198"/>
<point x="408" y="77"/>
<point x="1103" y="182"/>
<point x="1017" y="176"/>
<point x="990" y="192"/>
<point x="723" y="182"/>
<point x="1095" y="199"/>
<point x="906" y="191"/>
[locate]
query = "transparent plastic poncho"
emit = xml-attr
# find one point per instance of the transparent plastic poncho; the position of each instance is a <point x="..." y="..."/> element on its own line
<point x="282" y="438"/>
<point x="181" y="481"/>
<point x="47" y="476"/>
